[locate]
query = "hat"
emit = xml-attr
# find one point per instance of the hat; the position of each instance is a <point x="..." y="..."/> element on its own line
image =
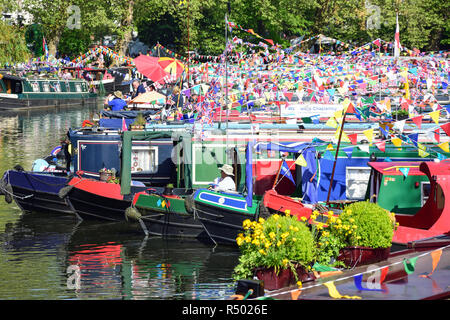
<point x="118" y="94"/>
<point x="227" y="169"/>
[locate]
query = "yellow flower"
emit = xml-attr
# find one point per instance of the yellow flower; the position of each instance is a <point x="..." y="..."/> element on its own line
<point x="285" y="261"/>
<point x="276" y="217"/>
<point x="255" y="242"/>
<point x="294" y="239"/>
<point x="284" y="235"/>
<point x="299" y="284"/>
<point x="248" y="239"/>
<point x="278" y="243"/>
<point x="262" y="251"/>
<point x="239" y="240"/>
<point x="272" y="235"/>
<point x="267" y="244"/>
<point x="261" y="220"/>
<point x="303" y="219"/>
<point x="287" y="211"/>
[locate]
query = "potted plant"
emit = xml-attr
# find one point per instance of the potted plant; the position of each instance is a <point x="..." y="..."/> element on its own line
<point x="138" y="123"/>
<point x="361" y="234"/>
<point x="278" y="251"/>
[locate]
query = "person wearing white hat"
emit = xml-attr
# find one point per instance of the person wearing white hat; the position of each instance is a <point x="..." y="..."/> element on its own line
<point x="225" y="182"/>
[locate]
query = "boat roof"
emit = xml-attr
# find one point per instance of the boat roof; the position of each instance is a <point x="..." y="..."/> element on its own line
<point x="11" y="77"/>
<point x="393" y="168"/>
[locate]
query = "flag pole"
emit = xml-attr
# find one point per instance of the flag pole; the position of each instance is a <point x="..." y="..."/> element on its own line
<point x="335" y="158"/>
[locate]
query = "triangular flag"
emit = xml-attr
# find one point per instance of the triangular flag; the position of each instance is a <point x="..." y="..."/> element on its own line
<point x="364" y="147"/>
<point x="444" y="146"/>
<point x="301" y="161"/>
<point x="446" y="128"/>
<point x="396" y="142"/>
<point x="124" y="125"/>
<point x="331" y="123"/>
<point x="436" y="256"/>
<point x="405" y="171"/>
<point x="400" y="125"/>
<point x="381" y="145"/>
<point x="295" y="294"/>
<point x="435" y="116"/>
<point x="286" y="172"/>
<point x="348" y="151"/>
<point x="369" y="134"/>
<point x="414" y="138"/>
<point x="437" y="135"/>
<point x="334" y="293"/>
<point x="353" y="138"/>
<point x="410" y="265"/>
<point x="418" y="121"/>
<point x="358" y="283"/>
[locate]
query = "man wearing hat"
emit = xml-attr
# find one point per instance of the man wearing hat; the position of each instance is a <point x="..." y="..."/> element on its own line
<point x="117" y="103"/>
<point x="225" y="182"/>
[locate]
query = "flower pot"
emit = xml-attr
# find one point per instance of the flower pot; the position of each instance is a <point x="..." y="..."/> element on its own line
<point x="303" y="275"/>
<point x="284" y="278"/>
<point x="356" y="256"/>
<point x="272" y="280"/>
<point x="105" y="175"/>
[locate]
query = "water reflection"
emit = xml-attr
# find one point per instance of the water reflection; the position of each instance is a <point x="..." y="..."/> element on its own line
<point x="48" y="257"/>
<point x="133" y="267"/>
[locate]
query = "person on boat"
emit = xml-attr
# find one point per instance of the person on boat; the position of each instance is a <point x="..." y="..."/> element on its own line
<point x="117" y="103"/>
<point x="138" y="88"/>
<point x="225" y="182"/>
<point x="177" y="98"/>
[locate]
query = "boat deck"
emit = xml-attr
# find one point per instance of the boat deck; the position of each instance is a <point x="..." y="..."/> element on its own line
<point x="403" y="277"/>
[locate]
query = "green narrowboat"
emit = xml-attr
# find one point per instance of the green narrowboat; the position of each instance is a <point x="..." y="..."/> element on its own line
<point x="388" y="182"/>
<point x="18" y="93"/>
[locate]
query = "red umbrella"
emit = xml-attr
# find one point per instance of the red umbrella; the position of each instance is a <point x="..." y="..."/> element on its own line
<point x="150" y="68"/>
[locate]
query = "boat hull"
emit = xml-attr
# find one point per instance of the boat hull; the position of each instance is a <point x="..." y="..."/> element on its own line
<point x="37" y="103"/>
<point x="97" y="200"/>
<point x="166" y="216"/>
<point x="222" y="214"/>
<point x="37" y="192"/>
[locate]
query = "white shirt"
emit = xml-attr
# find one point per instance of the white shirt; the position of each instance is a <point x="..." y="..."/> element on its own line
<point x="225" y="184"/>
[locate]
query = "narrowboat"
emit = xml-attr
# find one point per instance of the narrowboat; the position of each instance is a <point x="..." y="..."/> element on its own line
<point x="103" y="199"/>
<point x="18" y="93"/>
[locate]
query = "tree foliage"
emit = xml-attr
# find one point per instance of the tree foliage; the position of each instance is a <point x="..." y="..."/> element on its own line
<point x="200" y="24"/>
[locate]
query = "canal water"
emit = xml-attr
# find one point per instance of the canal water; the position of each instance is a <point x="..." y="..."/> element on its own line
<point x="46" y="257"/>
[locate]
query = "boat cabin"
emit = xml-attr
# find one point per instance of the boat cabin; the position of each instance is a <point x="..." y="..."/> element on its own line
<point x="389" y="182"/>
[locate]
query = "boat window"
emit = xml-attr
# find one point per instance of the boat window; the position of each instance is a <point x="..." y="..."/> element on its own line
<point x="440" y="199"/>
<point x="78" y="87"/>
<point x="357" y="180"/>
<point x="46" y="87"/>
<point x="425" y="190"/>
<point x="56" y="87"/>
<point x="35" y="86"/>
<point x="144" y="158"/>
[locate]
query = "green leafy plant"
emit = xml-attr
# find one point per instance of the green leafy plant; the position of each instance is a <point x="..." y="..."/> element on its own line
<point x="280" y="242"/>
<point x="139" y="120"/>
<point x="361" y="223"/>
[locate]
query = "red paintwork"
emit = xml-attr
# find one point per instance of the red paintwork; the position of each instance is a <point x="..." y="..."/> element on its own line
<point x="393" y="167"/>
<point x="278" y="202"/>
<point x="433" y="219"/>
<point x="104" y="189"/>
